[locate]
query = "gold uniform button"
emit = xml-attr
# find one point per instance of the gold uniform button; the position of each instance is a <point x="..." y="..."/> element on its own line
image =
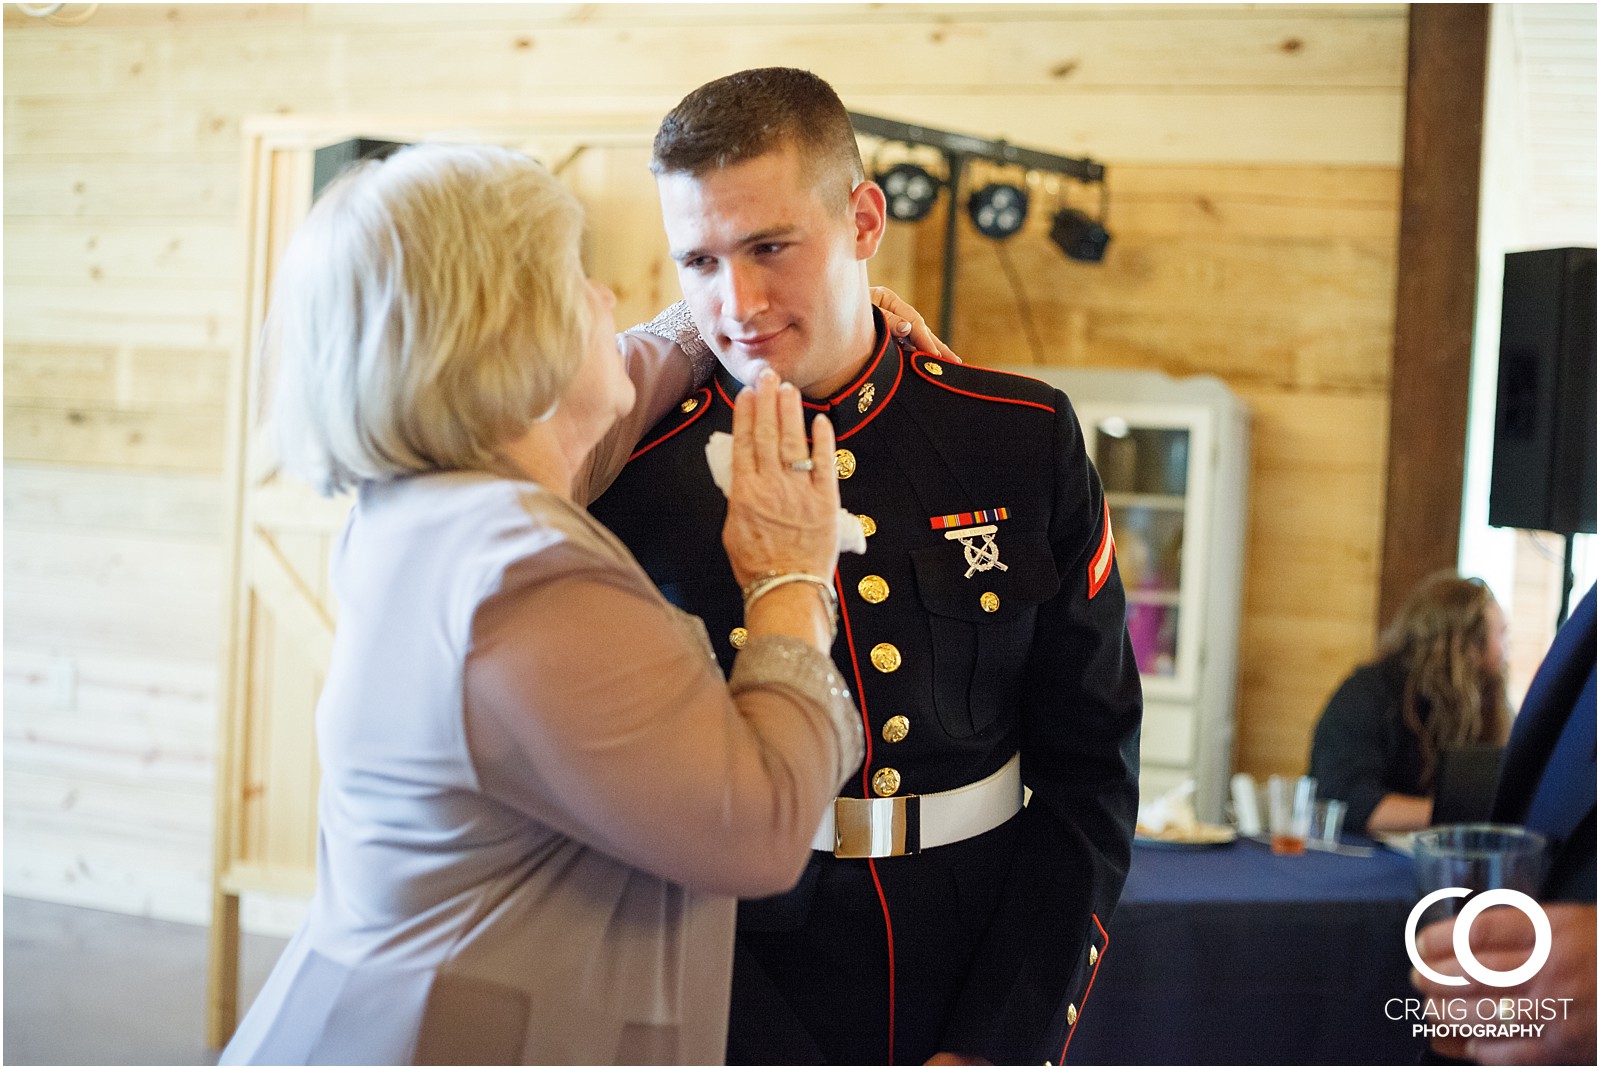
<point x="869" y="526"/>
<point x="1094" y="955"/>
<point x="737" y="637"/>
<point x="689" y="406"/>
<point x="885" y="658"/>
<point x="885" y="781"/>
<point x="990" y="601"/>
<point x="1072" y="1014"/>
<point x="896" y="728"/>
<point x="844" y="462"/>
<point x="874" y="588"/>
<point x="933" y="369"/>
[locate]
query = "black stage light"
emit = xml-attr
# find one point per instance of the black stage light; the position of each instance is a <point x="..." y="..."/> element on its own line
<point x="911" y="191"/>
<point x="1079" y="235"/>
<point x="998" y="210"/>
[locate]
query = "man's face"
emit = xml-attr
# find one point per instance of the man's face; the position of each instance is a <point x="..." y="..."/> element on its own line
<point x="774" y="269"/>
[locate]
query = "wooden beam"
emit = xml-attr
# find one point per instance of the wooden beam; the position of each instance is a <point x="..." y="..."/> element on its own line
<point x="1435" y="295"/>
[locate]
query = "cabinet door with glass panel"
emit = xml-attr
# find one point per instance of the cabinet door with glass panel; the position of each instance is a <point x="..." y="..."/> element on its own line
<point x="1174" y="456"/>
<point x="1152" y="462"/>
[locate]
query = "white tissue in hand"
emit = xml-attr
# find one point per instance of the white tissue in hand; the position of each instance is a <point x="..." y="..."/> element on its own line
<point x="719" y="456"/>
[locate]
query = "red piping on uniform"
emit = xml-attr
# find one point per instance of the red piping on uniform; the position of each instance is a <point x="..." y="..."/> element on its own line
<point x="1105" y="944"/>
<point x="981" y="396"/>
<point x="723" y="393"/>
<point x="705" y="406"/>
<point x="823" y="406"/>
<point x="889" y="931"/>
<point x="872" y="866"/>
<point x="877" y="358"/>
<point x="895" y="385"/>
<point x="861" y="699"/>
<point x="1102" y="555"/>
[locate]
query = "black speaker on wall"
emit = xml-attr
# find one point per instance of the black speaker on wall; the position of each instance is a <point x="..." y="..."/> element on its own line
<point x="1543" y="475"/>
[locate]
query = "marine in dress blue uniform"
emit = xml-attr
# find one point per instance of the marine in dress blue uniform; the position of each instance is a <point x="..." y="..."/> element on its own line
<point x="986" y="619"/>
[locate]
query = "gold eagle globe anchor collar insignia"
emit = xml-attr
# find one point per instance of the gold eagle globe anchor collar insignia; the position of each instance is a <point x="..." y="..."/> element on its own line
<point x="967" y="528"/>
<point x="859" y="402"/>
<point x="864" y="397"/>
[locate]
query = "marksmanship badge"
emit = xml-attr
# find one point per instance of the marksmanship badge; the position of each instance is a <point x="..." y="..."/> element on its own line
<point x="967" y="528"/>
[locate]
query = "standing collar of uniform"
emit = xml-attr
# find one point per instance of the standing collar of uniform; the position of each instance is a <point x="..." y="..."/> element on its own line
<point x="857" y="404"/>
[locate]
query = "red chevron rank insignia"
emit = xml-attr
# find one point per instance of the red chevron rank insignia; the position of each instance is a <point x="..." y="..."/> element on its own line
<point x="1100" y="563"/>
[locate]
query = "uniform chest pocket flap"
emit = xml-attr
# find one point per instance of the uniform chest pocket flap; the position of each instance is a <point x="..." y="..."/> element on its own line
<point x="982" y="625"/>
<point x="996" y="595"/>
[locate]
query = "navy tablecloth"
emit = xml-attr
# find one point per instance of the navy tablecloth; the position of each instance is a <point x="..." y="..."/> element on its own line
<point x="1234" y="955"/>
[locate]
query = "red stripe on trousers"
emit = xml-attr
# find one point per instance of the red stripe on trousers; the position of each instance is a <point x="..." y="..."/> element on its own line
<point x="861" y="700"/>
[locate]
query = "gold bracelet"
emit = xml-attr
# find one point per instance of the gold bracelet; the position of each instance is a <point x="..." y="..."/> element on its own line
<point x="769" y="583"/>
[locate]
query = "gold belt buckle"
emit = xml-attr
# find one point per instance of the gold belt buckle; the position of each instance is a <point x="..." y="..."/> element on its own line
<point x="877" y="827"/>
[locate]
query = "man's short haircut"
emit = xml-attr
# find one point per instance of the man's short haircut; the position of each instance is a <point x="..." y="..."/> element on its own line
<point x="430" y="308"/>
<point x="749" y="114"/>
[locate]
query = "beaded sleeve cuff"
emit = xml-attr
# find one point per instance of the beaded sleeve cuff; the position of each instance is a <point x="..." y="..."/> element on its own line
<point x="676" y="325"/>
<point x="796" y="666"/>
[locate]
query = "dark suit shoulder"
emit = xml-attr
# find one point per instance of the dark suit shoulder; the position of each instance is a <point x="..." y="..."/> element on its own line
<point x="1003" y="390"/>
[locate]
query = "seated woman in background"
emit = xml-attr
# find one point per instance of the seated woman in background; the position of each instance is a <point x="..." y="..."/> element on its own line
<point x="539" y="797"/>
<point x="1439" y="683"/>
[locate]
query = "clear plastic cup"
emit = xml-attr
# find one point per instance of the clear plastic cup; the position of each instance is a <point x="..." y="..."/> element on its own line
<point x="1327" y="821"/>
<point x="1479" y="857"/>
<point x="1290" y="804"/>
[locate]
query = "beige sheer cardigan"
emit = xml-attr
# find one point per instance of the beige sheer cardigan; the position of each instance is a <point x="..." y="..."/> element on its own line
<point x="539" y="797"/>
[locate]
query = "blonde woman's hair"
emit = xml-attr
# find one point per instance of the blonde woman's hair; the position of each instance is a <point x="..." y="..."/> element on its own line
<point x="1441" y="636"/>
<point x="430" y="309"/>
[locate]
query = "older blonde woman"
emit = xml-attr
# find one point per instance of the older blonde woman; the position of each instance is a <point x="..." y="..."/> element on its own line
<point x="539" y="798"/>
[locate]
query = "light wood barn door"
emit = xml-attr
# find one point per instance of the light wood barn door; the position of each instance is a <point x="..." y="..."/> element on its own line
<point x="282" y="613"/>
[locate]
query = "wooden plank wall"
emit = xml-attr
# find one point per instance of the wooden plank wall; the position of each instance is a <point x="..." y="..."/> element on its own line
<point x="1253" y="154"/>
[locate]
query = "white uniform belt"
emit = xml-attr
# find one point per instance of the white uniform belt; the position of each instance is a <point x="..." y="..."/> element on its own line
<point x="911" y="823"/>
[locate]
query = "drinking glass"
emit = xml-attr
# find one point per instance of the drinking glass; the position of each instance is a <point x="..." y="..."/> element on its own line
<point x="1327" y="821"/>
<point x="1479" y="857"/>
<point x="1289" y="802"/>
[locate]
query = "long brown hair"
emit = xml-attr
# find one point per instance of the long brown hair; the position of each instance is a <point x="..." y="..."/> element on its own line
<point x="1441" y="636"/>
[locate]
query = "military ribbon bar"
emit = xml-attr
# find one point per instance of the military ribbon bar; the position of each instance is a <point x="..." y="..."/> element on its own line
<point x="968" y="519"/>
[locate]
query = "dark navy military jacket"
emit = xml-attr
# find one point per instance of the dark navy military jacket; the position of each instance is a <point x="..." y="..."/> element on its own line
<point x="987" y="946"/>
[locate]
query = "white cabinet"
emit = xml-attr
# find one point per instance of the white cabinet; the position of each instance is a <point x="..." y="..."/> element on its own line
<point x="1173" y="455"/>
